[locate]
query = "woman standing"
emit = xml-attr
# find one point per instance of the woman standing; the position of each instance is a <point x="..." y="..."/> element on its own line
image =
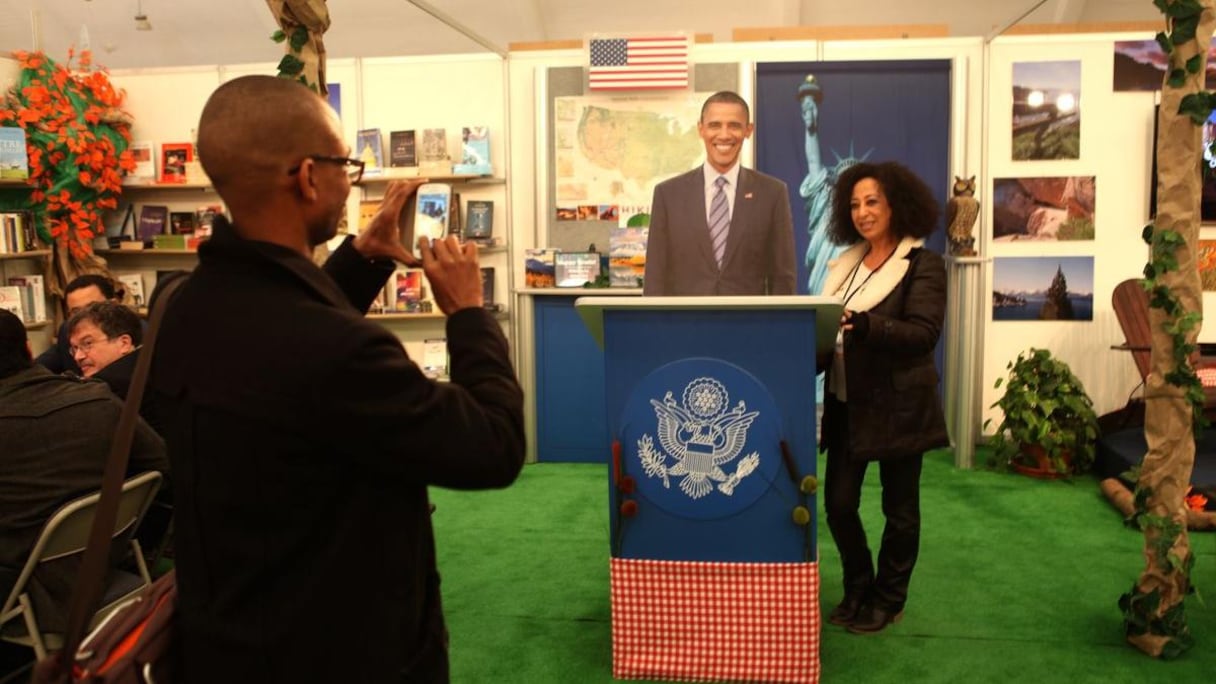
<point x="881" y="402"/>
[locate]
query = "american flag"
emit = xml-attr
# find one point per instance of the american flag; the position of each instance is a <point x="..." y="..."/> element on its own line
<point x="644" y="63"/>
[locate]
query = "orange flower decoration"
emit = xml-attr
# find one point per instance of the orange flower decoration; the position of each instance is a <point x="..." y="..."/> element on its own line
<point x="77" y="137"/>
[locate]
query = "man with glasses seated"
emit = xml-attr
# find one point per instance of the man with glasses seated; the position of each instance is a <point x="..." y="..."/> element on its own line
<point x="80" y="292"/>
<point x="103" y="336"/>
<point x="302" y="435"/>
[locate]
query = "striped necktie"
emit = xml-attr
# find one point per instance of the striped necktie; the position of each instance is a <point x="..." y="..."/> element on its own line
<point x="719" y="219"/>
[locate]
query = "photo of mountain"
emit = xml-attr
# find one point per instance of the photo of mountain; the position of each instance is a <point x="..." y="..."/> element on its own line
<point x="1043" y="289"/>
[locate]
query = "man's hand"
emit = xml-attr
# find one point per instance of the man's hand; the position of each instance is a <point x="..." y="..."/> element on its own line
<point x="382" y="238"/>
<point x="454" y="273"/>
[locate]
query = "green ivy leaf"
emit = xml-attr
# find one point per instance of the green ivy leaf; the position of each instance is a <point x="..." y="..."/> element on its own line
<point x="1194" y="64"/>
<point x="1177" y="78"/>
<point x="1147" y="233"/>
<point x="279" y="36"/>
<point x="1198" y="106"/>
<point x="290" y="65"/>
<point x="1184" y="31"/>
<point x="299" y="38"/>
<point x="1167" y="45"/>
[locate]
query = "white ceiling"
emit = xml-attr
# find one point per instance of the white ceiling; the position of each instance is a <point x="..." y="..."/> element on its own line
<point x="191" y="32"/>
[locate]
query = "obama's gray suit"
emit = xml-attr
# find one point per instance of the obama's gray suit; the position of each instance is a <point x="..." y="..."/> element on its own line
<point x="759" y="253"/>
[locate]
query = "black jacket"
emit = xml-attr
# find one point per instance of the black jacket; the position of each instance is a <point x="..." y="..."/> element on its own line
<point x="305" y="440"/>
<point x="890" y="375"/>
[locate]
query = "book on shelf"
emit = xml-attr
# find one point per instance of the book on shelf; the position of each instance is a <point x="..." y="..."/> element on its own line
<point x="145" y="162"/>
<point x="181" y="222"/>
<point x="538" y="267"/>
<point x="401" y="149"/>
<point x="407" y="292"/>
<point x="367" y="211"/>
<point x="171" y="241"/>
<point x="433" y="158"/>
<point x="14" y="159"/>
<point x="17" y="233"/>
<point x="133" y="285"/>
<point x="575" y="269"/>
<point x="479" y="221"/>
<point x="173" y="159"/>
<point x="204" y="218"/>
<point x="474" y="151"/>
<point x="12" y="298"/>
<point x="626" y="255"/>
<point x="455" y="217"/>
<point x="33" y="292"/>
<point x="487" y="289"/>
<point x="370" y="149"/>
<point x="434" y="145"/>
<point x="435" y="357"/>
<point x="152" y="221"/>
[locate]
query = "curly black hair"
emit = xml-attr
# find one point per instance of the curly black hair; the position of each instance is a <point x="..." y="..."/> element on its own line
<point x="914" y="210"/>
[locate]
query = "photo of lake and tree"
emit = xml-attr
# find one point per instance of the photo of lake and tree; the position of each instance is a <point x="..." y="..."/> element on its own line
<point x="1043" y="288"/>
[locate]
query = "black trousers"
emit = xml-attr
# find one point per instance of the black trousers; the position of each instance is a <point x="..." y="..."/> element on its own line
<point x="900" y="477"/>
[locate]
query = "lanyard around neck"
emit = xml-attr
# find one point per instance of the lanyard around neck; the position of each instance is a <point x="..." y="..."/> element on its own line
<point x="856" y="267"/>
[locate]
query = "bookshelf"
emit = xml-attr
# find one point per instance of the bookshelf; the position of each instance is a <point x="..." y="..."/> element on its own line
<point x="395" y="174"/>
<point x="28" y="254"/>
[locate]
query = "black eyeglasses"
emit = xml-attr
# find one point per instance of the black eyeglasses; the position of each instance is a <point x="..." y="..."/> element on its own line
<point x="354" y="167"/>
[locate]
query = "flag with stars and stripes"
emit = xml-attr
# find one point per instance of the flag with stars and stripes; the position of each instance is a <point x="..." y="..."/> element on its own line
<point x="639" y="63"/>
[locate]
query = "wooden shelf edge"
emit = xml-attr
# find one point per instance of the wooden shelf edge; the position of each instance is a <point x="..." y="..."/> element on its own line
<point x="31" y="254"/>
<point x="157" y="252"/>
<point x="36" y="325"/>
<point x="369" y="179"/>
<point x="167" y="186"/>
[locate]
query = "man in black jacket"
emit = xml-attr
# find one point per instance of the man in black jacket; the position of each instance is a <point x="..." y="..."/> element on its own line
<point x="55" y="433"/>
<point x="304" y="436"/>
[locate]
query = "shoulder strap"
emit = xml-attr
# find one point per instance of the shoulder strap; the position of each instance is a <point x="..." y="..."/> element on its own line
<point x="93" y="568"/>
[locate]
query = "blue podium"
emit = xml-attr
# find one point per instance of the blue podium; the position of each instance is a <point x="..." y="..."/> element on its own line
<point x="711" y="415"/>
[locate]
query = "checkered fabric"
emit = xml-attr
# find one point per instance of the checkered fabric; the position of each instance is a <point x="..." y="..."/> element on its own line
<point x="701" y="621"/>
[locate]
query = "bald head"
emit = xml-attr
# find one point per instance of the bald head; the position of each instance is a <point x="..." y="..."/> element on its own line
<point x="254" y="128"/>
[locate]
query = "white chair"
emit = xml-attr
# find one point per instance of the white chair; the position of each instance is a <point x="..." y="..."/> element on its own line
<point x="64" y="536"/>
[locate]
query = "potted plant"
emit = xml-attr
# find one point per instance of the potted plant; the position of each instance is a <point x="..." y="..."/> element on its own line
<point x="1049" y="427"/>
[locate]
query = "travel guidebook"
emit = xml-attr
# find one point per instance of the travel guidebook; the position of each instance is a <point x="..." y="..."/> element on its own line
<point x="479" y="220"/>
<point x="474" y="151"/>
<point x="370" y="150"/>
<point x="14" y="162"/>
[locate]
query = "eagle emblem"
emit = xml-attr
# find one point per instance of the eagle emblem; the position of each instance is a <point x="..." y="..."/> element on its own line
<point x="701" y="435"/>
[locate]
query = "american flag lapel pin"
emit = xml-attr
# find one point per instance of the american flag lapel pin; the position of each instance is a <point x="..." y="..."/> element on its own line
<point x="747" y="195"/>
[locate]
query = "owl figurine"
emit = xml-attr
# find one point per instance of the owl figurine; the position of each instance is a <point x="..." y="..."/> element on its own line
<point x="961" y="212"/>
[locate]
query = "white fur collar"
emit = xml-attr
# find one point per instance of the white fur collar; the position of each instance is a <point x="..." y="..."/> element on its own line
<point x="881" y="284"/>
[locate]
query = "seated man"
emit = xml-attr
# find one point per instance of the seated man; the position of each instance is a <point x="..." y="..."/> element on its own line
<point x="82" y="291"/>
<point x="105" y="333"/>
<point x="56" y="432"/>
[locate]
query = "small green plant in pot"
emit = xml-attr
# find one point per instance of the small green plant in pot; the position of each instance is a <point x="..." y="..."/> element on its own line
<point x="1049" y="428"/>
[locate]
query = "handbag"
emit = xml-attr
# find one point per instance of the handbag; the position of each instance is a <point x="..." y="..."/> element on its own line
<point x="134" y="644"/>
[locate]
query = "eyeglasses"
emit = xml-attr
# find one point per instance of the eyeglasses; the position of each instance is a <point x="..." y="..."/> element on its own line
<point x="85" y="345"/>
<point x="354" y="167"/>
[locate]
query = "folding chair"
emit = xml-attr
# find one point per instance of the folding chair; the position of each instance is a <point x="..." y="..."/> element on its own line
<point x="63" y="537"/>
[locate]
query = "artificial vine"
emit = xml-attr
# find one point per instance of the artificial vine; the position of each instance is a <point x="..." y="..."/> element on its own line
<point x="291" y="66"/>
<point x="1163" y="244"/>
<point x="1183" y="16"/>
<point x="1144" y="622"/>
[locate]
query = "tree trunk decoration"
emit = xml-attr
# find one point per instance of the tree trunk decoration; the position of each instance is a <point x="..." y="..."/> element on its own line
<point x="301" y="25"/>
<point x="1154" y="610"/>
